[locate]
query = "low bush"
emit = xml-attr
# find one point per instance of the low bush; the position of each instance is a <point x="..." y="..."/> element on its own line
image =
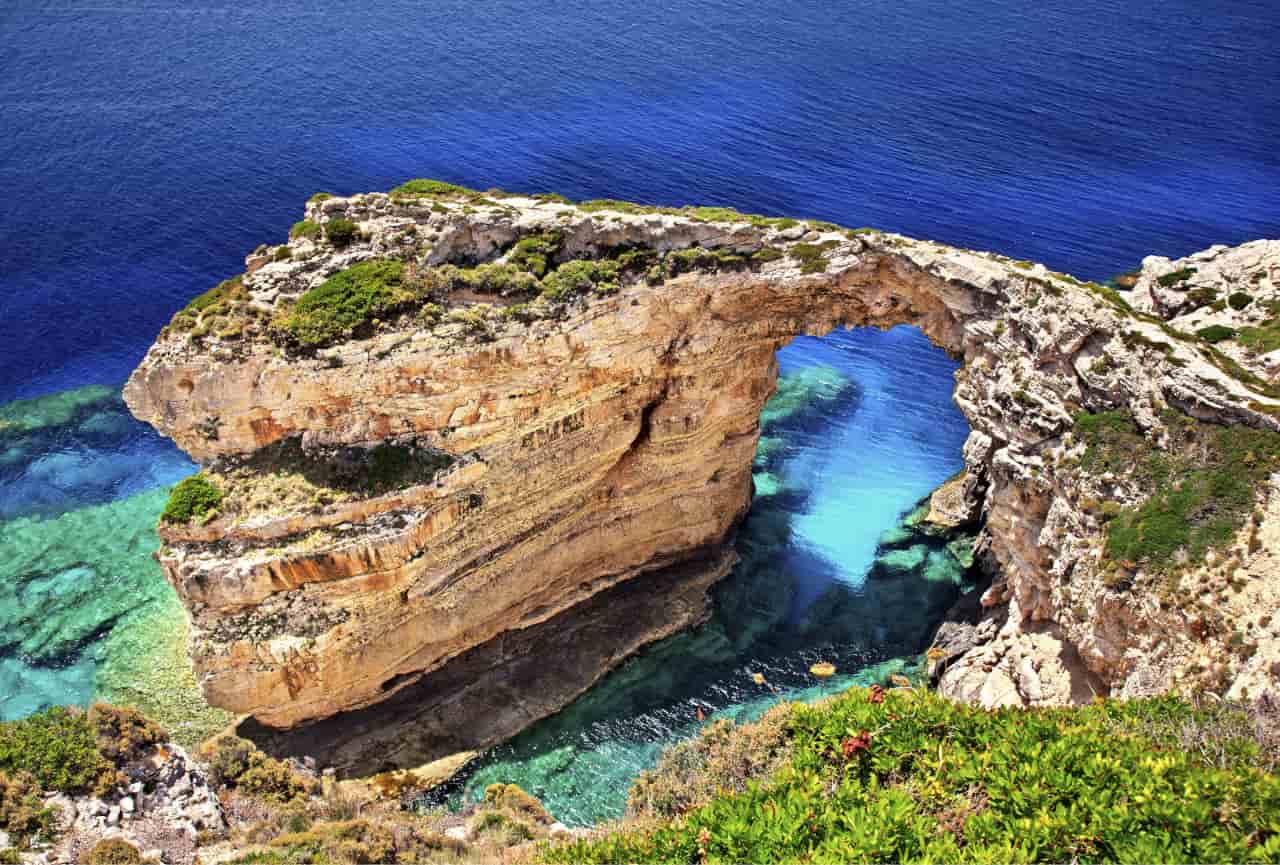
<point x="305" y="228"/>
<point x="57" y="748"/>
<point x="1216" y="333"/>
<point x="810" y="255"/>
<point x="237" y="764"/>
<point x="356" y="842"/>
<point x="124" y="735"/>
<point x="113" y="851"/>
<point x="346" y="301"/>
<point x="426" y="188"/>
<point x="581" y="276"/>
<point x="724" y="757"/>
<point x="23" y="814"/>
<point x="194" y="498"/>
<point x="1238" y="300"/>
<point x="1199" y="491"/>
<point x="533" y="253"/>
<point x="910" y="776"/>
<point x="340" y="232"/>
<point x="1169" y="280"/>
<point x="511" y="797"/>
<point x="1265" y="337"/>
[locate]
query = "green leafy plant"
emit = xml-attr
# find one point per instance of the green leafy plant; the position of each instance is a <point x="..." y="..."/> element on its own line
<point x="581" y="276"/>
<point x="193" y="498"/>
<point x="909" y="776"/>
<point x="1238" y="300"/>
<point x="1200" y="490"/>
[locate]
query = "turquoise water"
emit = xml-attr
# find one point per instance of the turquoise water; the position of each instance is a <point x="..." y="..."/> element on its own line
<point x="85" y="612"/>
<point x="861" y="429"/>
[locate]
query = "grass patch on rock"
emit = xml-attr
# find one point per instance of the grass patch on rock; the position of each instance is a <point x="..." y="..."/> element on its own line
<point x="1199" y="492"/>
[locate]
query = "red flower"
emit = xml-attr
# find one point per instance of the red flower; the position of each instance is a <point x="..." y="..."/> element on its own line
<point x="876" y="694"/>
<point x="853" y="744"/>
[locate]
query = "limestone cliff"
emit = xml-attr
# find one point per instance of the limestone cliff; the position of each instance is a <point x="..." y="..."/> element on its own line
<point x="541" y="400"/>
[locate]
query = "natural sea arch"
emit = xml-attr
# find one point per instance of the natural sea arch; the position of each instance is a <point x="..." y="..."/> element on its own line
<point x="860" y="429"/>
<point x="611" y="447"/>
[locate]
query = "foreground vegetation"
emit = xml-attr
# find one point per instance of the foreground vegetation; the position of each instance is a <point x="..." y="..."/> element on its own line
<point x="868" y="775"/>
<point x="906" y="775"/>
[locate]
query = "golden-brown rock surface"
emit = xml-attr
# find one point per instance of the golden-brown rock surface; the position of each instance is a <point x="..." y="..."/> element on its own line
<point x="609" y="438"/>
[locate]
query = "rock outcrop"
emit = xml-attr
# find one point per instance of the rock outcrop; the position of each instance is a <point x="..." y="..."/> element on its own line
<point x="554" y="447"/>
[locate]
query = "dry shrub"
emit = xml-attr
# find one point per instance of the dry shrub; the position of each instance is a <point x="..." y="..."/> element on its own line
<point x="113" y="851"/>
<point x="723" y="758"/>
<point x="124" y="735"/>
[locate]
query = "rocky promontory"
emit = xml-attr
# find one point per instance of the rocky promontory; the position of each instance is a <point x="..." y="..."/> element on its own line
<point x="437" y="419"/>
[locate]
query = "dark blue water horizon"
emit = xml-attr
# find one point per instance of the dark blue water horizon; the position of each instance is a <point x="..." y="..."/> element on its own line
<point x="151" y="145"/>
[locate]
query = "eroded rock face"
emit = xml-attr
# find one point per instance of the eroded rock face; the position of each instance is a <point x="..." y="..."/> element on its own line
<point x="611" y="438"/>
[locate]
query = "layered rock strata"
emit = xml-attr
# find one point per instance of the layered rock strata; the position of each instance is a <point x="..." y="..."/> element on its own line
<point x="606" y="435"/>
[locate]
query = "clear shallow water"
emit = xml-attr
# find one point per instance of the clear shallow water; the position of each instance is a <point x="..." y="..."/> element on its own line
<point x="862" y="428"/>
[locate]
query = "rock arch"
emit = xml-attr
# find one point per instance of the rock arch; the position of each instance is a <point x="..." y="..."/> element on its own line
<point x="612" y="441"/>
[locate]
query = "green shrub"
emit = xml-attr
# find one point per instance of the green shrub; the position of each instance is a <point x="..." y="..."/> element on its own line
<point x="533" y="252"/>
<point x="305" y="228"/>
<point x="57" y="747"/>
<point x="340" y="232"/>
<point x="1111" y="438"/>
<point x="1216" y="333"/>
<point x="551" y="196"/>
<point x="1238" y="300"/>
<point x="113" y="851"/>
<point x="1178" y="276"/>
<point x="425" y="188"/>
<point x="319" y="196"/>
<point x="23" y="814"/>
<point x="581" y="276"/>
<point x="346" y="301"/>
<point x="910" y="776"/>
<point x="810" y="255"/>
<point x="194" y="498"/>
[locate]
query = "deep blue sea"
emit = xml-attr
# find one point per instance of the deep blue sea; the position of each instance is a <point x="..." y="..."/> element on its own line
<point x="147" y="147"/>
